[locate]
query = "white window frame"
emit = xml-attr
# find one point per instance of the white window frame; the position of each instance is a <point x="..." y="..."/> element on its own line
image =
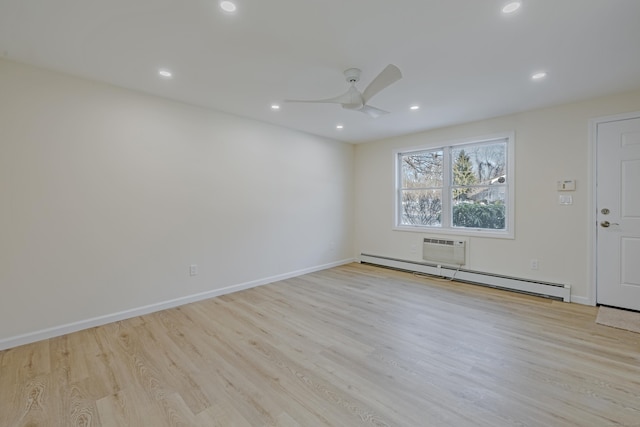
<point x="445" y="227"/>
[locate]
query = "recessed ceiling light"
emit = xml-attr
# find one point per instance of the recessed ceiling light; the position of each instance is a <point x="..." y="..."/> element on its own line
<point x="339" y="127"/>
<point x="275" y="107"/>
<point x="538" y="76"/>
<point x="228" y="6"/>
<point x="511" y="6"/>
<point x="414" y="107"/>
<point x="165" y="73"/>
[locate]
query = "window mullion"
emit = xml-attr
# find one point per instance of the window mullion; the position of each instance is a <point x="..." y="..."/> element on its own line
<point x="446" y="187"/>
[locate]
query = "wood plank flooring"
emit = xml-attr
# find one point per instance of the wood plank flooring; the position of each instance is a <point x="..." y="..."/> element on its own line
<point x="355" y="345"/>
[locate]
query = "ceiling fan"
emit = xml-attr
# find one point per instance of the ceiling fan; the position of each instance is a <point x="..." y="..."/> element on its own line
<point x="353" y="99"/>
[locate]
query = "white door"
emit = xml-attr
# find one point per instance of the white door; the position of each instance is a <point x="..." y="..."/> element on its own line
<point x="618" y="204"/>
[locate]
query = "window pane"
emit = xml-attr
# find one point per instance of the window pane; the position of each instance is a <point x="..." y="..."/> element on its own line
<point x="469" y="194"/>
<point x="421" y="207"/>
<point x="479" y="164"/>
<point x="422" y="170"/>
<point x="479" y="207"/>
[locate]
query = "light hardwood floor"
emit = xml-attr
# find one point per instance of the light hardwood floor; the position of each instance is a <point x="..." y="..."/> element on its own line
<point x="352" y="346"/>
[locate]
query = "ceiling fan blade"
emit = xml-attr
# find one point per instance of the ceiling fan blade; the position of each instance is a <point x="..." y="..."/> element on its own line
<point x="351" y="97"/>
<point x="373" y="111"/>
<point x="388" y="76"/>
<point x="336" y="100"/>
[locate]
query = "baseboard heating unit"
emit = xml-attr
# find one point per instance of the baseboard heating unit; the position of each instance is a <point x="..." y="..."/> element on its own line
<point x="543" y="289"/>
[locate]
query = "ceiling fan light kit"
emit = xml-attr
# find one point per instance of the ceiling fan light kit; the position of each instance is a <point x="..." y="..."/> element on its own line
<point x="353" y="99"/>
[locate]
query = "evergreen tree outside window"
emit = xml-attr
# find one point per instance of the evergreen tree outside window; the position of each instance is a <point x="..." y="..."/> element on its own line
<point x="465" y="188"/>
<point x="462" y="175"/>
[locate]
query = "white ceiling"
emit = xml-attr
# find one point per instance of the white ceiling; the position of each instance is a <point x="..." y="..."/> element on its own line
<point x="462" y="60"/>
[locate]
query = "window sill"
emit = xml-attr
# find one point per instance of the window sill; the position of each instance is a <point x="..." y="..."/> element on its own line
<point x="457" y="232"/>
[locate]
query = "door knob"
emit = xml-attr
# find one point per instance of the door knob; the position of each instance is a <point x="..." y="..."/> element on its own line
<point x="606" y="224"/>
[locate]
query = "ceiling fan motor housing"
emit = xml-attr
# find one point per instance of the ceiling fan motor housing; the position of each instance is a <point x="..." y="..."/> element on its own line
<point x="352" y="75"/>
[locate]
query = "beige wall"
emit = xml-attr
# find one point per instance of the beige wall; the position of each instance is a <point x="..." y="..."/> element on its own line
<point x="108" y="195"/>
<point x="550" y="144"/>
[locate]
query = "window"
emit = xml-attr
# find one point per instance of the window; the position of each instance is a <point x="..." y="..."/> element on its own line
<point x="462" y="188"/>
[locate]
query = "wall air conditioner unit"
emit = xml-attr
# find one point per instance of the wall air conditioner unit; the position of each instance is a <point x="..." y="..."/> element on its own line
<point x="441" y="251"/>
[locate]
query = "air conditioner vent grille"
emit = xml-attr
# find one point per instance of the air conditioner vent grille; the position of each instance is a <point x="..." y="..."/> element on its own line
<point x="439" y="241"/>
<point x="444" y="251"/>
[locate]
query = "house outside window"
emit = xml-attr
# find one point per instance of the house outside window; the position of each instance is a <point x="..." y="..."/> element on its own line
<point x="464" y="187"/>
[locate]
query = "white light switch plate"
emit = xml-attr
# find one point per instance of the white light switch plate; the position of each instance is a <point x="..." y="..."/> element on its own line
<point x="565" y="199"/>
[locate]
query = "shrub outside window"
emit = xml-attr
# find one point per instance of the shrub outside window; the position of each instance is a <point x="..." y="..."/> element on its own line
<point x="462" y="188"/>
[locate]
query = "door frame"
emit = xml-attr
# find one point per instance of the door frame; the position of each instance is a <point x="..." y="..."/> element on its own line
<point x="592" y="296"/>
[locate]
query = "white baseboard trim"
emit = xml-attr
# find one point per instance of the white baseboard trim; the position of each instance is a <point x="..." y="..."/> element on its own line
<point x="582" y="300"/>
<point x="68" y="328"/>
